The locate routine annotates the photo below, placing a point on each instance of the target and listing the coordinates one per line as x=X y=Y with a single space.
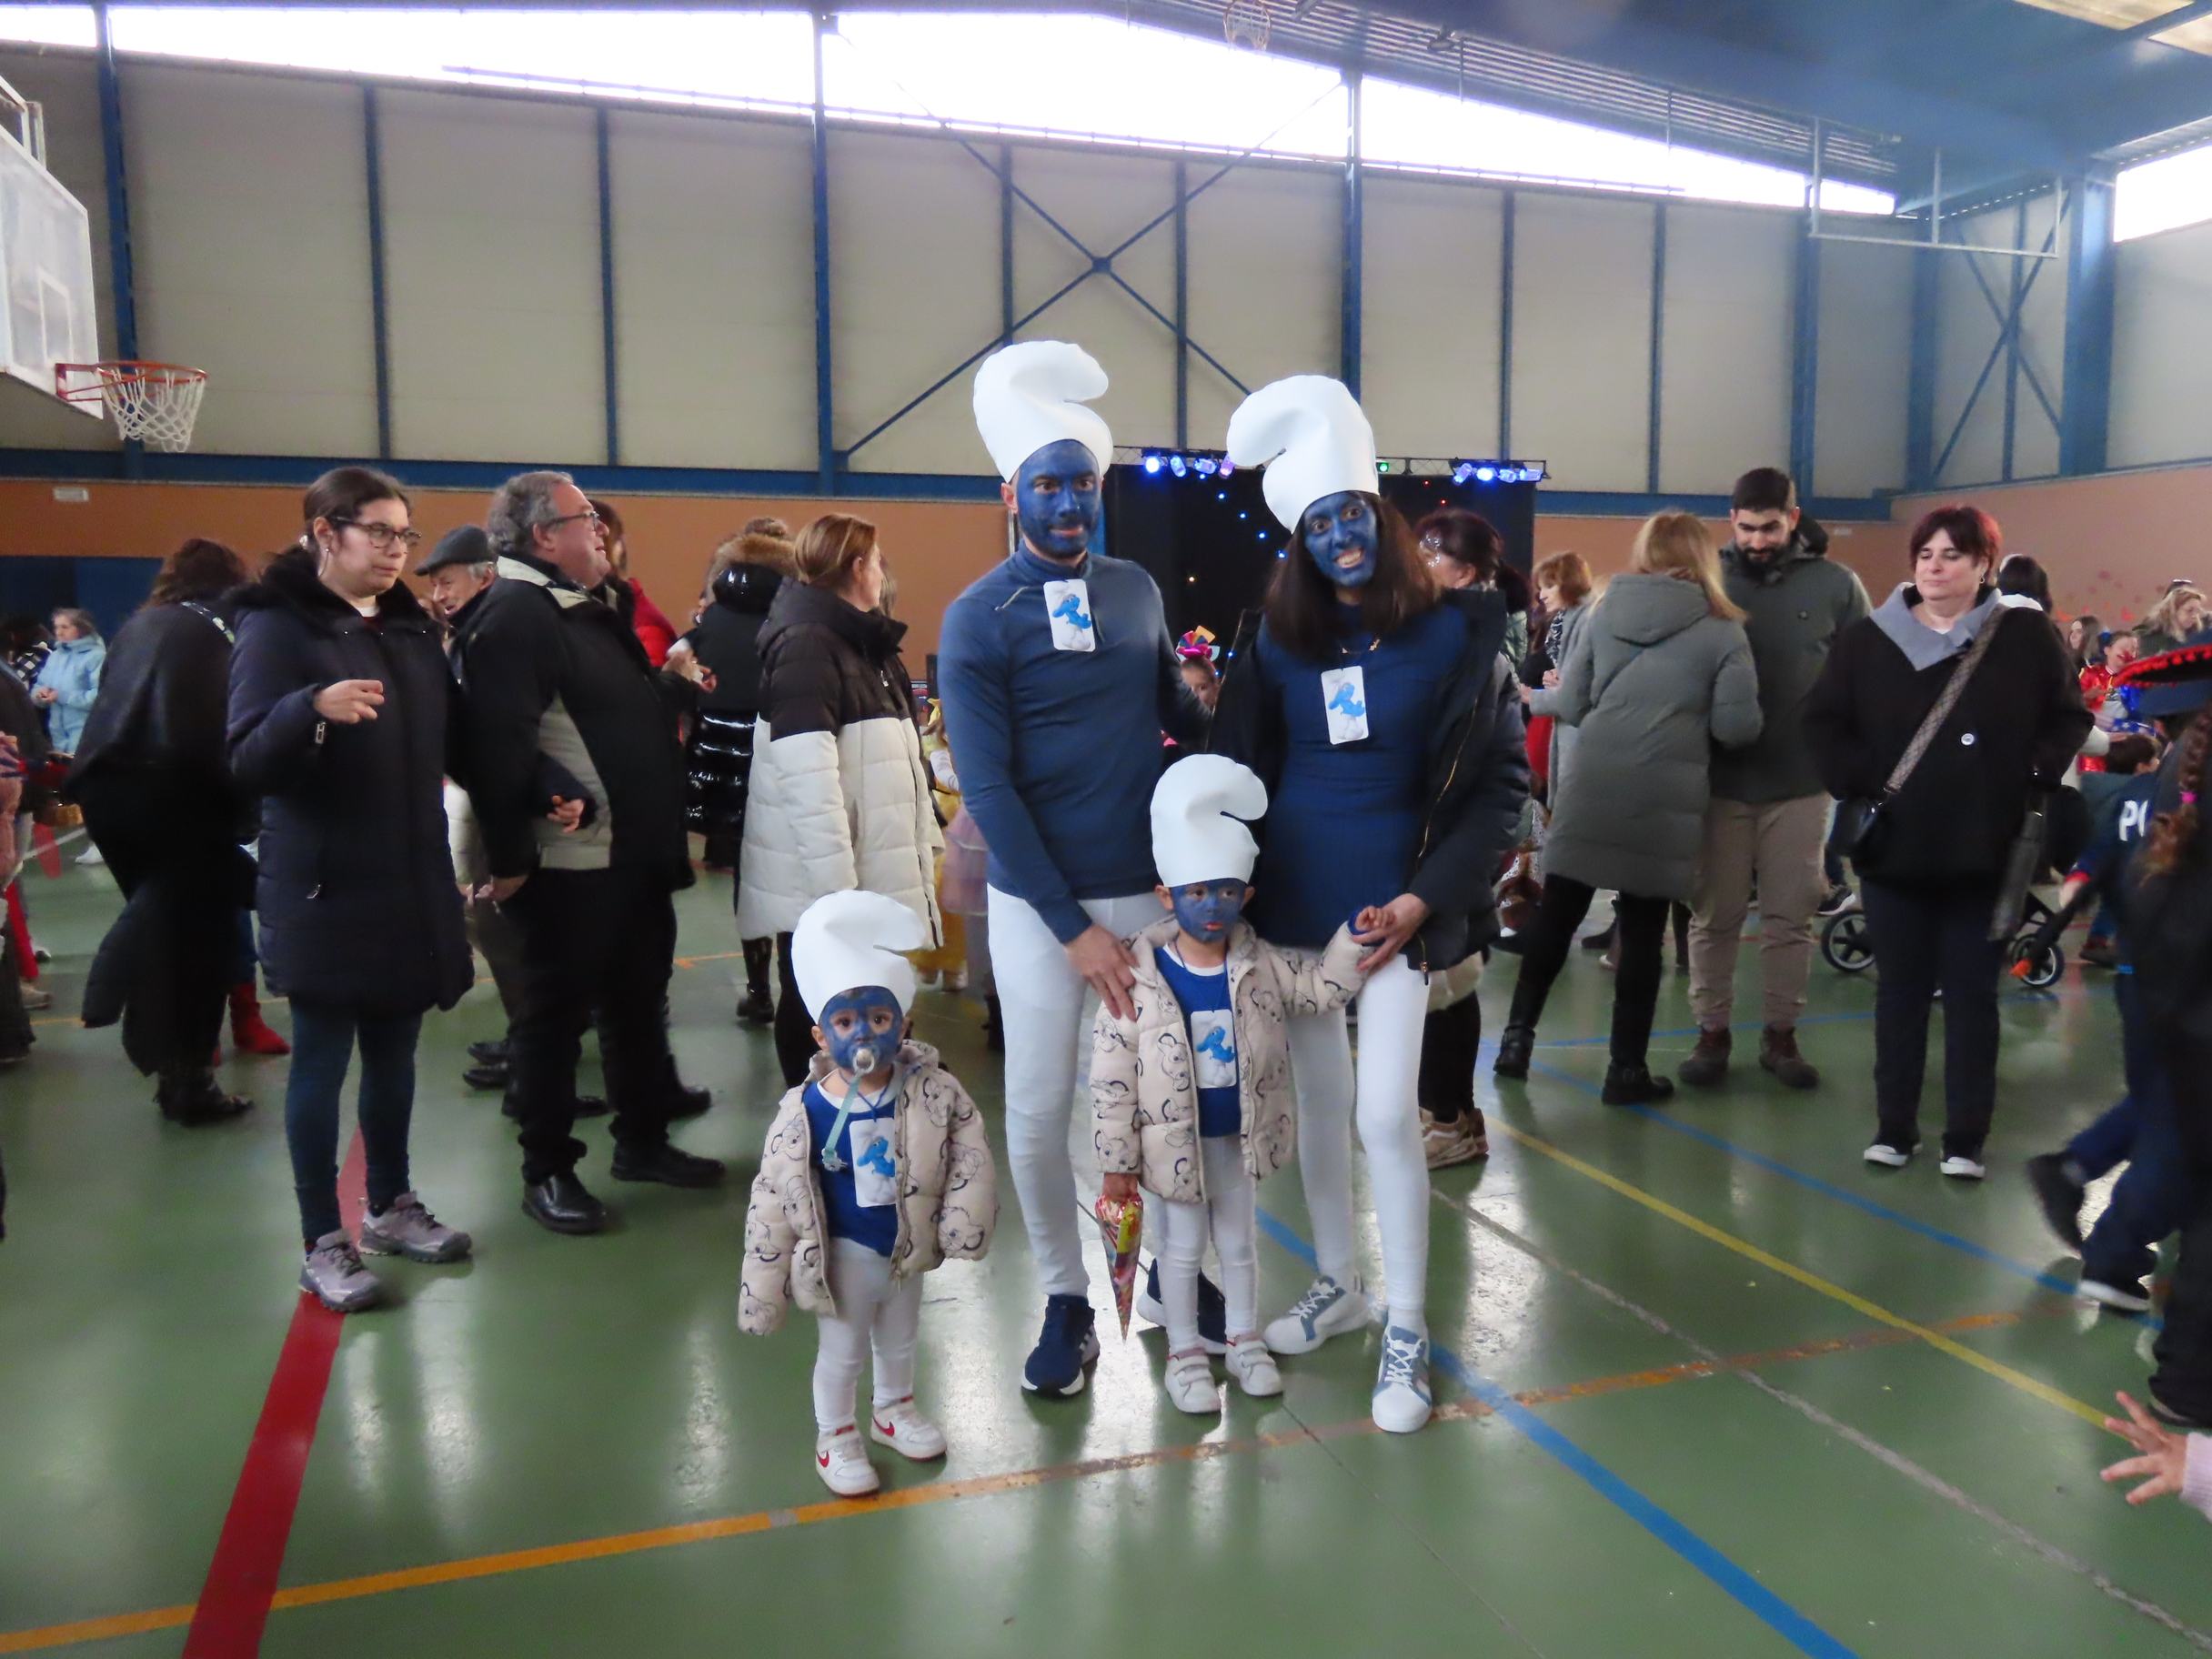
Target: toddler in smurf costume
x=876 y=1171
x=1192 y=1093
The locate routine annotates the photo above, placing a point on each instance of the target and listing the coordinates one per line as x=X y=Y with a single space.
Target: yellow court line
x=1811 y=1281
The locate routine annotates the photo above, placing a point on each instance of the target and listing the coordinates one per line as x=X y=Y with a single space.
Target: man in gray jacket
x=1768 y=819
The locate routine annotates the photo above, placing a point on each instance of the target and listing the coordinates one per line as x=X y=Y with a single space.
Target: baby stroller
x=2038 y=961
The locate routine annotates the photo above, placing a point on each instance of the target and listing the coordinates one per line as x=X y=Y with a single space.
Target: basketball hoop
x=153 y=403
x=1246 y=23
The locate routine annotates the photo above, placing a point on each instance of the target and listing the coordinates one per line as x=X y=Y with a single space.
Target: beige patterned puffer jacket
x=947 y=1193
x=1142 y=1086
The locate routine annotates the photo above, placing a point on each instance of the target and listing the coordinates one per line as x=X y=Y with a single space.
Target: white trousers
x=1041 y=1001
x=1392 y=1006
x=1230 y=1212
x=873 y=1314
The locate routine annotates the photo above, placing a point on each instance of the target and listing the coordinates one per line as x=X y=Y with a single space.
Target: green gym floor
x=1707 y=1385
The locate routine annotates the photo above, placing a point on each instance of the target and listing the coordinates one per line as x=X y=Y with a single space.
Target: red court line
x=234 y=1604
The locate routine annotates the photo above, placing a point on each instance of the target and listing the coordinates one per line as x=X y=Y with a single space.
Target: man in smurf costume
x=1059 y=676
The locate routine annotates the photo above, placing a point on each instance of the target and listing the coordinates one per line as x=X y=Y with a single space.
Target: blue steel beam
x=1651 y=417
x=2012 y=320
x=1182 y=305
x=1505 y=324
x=603 y=132
x=1804 y=364
x=379 y=307
x=123 y=297
x=1353 y=296
x=1921 y=371
x=1006 y=245
x=2012 y=344
x=825 y=406
x=2085 y=382
x=1989 y=368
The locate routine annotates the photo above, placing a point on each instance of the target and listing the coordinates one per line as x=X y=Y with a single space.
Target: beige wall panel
x=1430 y=325
x=249 y=228
x=2162 y=340
x=1266 y=285
x=1582 y=339
x=914 y=264
x=1865 y=365
x=1725 y=375
x=492 y=252
x=714 y=292
x=1964 y=332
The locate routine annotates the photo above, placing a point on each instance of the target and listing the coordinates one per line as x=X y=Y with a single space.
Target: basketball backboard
x=45 y=260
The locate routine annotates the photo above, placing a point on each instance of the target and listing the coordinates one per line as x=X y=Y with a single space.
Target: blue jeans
x=2147 y=1199
x=322 y=1048
x=2102 y=1148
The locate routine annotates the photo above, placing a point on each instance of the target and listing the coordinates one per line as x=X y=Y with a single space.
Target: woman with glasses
x=340 y=698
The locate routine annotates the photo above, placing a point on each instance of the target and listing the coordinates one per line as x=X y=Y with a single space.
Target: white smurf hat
x=848 y=940
x=1032 y=394
x=1199 y=806
x=1313 y=437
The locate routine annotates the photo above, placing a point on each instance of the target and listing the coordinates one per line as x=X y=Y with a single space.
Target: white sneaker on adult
x=1253 y=1368
x=1327 y=1309
x=2120 y=1298
x=1889 y=1157
x=1190 y=1384
x=841 y=1461
x=1401 y=1401
x=1960 y=1167
x=902 y=1426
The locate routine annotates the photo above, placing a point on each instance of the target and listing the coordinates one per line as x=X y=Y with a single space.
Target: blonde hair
x=2166 y=615
x=1678 y=544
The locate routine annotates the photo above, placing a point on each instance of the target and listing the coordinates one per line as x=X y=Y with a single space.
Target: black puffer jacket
x=357 y=904
x=1477 y=776
x=727 y=642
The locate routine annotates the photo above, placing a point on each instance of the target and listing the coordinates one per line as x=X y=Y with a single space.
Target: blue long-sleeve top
x=1058 y=750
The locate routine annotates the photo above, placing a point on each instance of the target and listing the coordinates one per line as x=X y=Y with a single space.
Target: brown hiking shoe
x=1778 y=1053
x=1708 y=1062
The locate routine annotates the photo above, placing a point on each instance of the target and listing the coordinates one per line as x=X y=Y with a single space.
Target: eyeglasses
x=382 y=536
x=554 y=524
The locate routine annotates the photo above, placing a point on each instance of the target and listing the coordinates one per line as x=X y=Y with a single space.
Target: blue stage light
x=1228 y=467
x=1152 y=463
x=1485 y=475
x=1463 y=472
x=1207 y=466
x=1177 y=465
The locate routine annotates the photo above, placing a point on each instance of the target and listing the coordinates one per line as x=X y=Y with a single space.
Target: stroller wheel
x=1845 y=942
x=2045 y=970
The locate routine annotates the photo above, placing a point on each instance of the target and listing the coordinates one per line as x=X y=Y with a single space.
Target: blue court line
x=1769 y=1609
x=1814 y=1183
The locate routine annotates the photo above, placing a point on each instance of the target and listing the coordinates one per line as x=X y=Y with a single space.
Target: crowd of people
x=1412 y=757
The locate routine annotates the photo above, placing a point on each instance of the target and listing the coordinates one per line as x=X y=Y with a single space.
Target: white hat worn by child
x=1199 y=806
x=1313 y=438
x=1030 y=396
x=845 y=941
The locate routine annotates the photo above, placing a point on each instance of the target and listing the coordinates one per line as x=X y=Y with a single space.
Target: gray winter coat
x=1794 y=605
x=1654 y=681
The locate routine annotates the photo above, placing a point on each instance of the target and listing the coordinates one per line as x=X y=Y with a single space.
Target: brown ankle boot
x=1708 y=1062
x=1778 y=1053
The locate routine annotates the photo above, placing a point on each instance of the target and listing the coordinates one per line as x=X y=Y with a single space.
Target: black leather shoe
x=491 y=1075
x=490 y=1054
x=756 y=1007
x=1516 y=1048
x=689 y=1103
x=668 y=1165
x=193 y=1100
x=1634 y=1086
x=560 y=1204
x=591 y=1106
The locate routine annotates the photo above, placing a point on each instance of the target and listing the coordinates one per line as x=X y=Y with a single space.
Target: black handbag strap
x=1951 y=691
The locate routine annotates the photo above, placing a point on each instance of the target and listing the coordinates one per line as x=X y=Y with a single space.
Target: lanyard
x=831 y=1161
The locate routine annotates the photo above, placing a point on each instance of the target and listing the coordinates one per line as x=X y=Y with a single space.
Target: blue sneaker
x=1402 y=1400
x=1327 y=1309
x=1213 y=1311
x=1069 y=1341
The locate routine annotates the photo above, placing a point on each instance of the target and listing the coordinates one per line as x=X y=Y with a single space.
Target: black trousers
x=1927 y=939
x=795 y=1042
x=2183 y=1379
x=1449 y=1039
x=1640 y=940
x=601 y=940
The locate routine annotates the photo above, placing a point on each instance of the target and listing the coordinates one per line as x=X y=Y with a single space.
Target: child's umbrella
x=1122 y=1222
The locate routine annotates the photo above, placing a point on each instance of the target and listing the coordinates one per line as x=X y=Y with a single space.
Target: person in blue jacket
x=1058 y=678
x=69 y=678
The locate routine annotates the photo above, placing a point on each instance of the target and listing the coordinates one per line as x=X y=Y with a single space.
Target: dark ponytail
x=2173 y=835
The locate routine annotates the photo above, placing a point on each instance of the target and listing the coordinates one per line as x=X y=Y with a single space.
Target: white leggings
x=1041 y=1001
x=1392 y=1006
x=874 y=1312
x=1231 y=1205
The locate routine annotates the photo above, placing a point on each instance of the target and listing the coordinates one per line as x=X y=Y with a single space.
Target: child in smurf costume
x=1192 y=1093
x=876 y=1171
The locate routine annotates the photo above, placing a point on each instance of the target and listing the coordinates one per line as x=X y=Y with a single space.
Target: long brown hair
x=1301 y=606
x=831 y=548
x=2173 y=834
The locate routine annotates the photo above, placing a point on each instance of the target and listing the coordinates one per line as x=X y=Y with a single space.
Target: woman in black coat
x=1932 y=867
x=339 y=700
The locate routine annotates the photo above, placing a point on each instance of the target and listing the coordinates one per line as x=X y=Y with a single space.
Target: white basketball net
x=1246 y=23
x=154 y=403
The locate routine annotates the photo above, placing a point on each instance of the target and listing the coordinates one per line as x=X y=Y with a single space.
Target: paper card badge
x=1343 y=695
x=875 y=1174
x=1213 y=1044
x=1068 y=604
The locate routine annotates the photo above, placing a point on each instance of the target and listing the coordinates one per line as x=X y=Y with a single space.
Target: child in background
x=1193 y=1095
x=876 y=1171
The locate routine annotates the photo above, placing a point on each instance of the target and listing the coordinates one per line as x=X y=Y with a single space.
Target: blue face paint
x=861 y=1029
x=1056 y=500
x=1207 y=910
x=1342 y=538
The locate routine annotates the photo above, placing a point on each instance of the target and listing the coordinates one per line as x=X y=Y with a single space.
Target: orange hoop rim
x=118 y=372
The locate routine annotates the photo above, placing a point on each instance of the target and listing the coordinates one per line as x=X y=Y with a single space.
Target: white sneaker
x=1190 y=1384
x=902 y=1426
x=1253 y=1368
x=36 y=996
x=843 y=1463
x=91 y=855
x=1961 y=1168
x=1327 y=1309
x=1402 y=1399
x=1889 y=1157
x=2123 y=1298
